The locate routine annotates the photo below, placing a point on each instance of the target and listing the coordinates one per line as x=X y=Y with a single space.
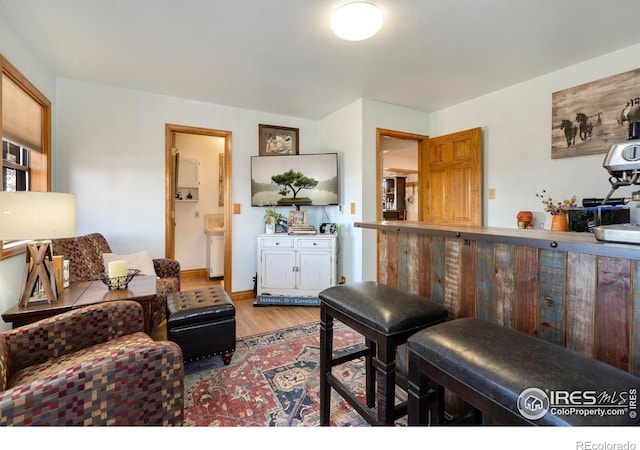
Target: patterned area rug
x=273 y=380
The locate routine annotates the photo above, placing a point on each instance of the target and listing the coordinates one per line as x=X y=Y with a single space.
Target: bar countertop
x=552 y=240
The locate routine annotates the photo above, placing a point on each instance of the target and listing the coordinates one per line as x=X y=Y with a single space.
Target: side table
x=141 y=289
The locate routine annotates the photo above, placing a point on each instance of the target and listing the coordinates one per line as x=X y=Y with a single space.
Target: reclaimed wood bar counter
x=563 y=287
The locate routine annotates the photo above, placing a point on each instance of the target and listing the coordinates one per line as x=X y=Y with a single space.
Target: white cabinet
x=215 y=255
x=296 y=265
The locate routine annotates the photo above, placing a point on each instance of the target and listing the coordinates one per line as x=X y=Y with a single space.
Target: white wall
x=516 y=128
x=111 y=149
x=341 y=132
x=18 y=53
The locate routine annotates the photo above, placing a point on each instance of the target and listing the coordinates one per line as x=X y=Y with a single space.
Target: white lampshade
x=37 y=215
x=356 y=21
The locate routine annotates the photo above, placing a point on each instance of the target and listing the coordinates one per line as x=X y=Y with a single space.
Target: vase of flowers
x=558 y=210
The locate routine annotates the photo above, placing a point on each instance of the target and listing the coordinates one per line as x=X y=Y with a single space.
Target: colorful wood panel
x=588 y=303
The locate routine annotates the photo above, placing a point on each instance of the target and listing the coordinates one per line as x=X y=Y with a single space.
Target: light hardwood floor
x=252 y=320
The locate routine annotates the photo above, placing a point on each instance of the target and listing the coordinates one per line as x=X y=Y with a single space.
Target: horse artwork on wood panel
x=599 y=112
x=570 y=131
x=586 y=126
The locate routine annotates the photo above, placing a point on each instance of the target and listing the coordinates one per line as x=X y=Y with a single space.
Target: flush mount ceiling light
x=356 y=21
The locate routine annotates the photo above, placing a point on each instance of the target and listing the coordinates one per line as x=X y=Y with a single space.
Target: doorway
x=399 y=178
x=190 y=197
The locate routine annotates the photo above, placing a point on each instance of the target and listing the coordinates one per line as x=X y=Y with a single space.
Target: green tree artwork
x=295 y=182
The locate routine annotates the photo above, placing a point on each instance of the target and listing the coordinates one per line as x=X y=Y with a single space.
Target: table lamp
x=34 y=216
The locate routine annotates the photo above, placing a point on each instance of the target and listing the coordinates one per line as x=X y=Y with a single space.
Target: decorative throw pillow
x=142 y=261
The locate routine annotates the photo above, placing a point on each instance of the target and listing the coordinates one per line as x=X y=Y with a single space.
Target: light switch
x=236 y=208
x=492 y=194
x=353 y=207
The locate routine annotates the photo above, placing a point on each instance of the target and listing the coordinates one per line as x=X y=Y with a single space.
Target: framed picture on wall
x=589 y=118
x=274 y=140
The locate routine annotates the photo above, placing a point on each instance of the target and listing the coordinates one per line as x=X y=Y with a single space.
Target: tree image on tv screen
x=295 y=182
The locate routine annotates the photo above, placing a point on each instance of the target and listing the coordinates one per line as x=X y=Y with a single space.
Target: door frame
x=170 y=192
x=423 y=144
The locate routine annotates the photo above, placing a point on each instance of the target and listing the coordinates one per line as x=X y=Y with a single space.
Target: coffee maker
x=623 y=164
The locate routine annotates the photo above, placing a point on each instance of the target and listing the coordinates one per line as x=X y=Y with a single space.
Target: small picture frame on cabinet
x=297 y=217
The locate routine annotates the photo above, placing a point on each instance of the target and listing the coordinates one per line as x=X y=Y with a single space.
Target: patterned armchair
x=85 y=256
x=90 y=366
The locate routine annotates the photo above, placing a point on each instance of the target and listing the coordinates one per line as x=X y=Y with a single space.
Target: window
x=25 y=127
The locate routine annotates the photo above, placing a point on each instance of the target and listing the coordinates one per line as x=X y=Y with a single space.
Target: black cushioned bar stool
x=386 y=317
x=202 y=322
x=509 y=376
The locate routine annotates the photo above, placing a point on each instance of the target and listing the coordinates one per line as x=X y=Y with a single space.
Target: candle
x=117 y=269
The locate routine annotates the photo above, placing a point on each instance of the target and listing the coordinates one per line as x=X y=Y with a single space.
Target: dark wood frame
x=291 y=133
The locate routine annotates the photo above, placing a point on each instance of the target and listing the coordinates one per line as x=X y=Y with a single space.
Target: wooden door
x=452 y=179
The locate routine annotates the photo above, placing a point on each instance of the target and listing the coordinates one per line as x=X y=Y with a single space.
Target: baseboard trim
x=194 y=273
x=242 y=295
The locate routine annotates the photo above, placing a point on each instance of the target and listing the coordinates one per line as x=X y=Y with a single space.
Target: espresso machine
x=623 y=164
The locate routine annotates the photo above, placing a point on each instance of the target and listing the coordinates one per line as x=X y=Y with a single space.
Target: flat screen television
x=294 y=180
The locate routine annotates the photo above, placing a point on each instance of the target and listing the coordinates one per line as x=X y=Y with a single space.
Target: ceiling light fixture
x=356 y=21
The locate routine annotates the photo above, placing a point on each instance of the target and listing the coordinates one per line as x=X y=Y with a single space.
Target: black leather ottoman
x=386 y=317
x=203 y=323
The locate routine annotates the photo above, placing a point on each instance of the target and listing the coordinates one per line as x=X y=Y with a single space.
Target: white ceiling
x=280 y=56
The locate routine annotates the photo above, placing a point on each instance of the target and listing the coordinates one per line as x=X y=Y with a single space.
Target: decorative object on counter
x=271 y=218
x=189 y=196
x=585 y=219
x=592 y=202
x=58 y=271
x=525 y=219
x=556 y=208
x=141 y=260
x=297 y=217
x=281 y=225
x=117 y=268
x=66 y=266
x=119 y=281
x=559 y=222
x=302 y=229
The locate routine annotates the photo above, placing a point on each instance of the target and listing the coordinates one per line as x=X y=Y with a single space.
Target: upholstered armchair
x=90 y=366
x=85 y=259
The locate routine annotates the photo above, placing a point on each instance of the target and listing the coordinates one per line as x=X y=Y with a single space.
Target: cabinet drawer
x=275 y=242
x=314 y=243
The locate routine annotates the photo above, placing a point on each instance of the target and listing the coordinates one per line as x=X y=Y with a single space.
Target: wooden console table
x=141 y=289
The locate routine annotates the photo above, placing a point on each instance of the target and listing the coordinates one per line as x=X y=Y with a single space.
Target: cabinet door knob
x=277 y=243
